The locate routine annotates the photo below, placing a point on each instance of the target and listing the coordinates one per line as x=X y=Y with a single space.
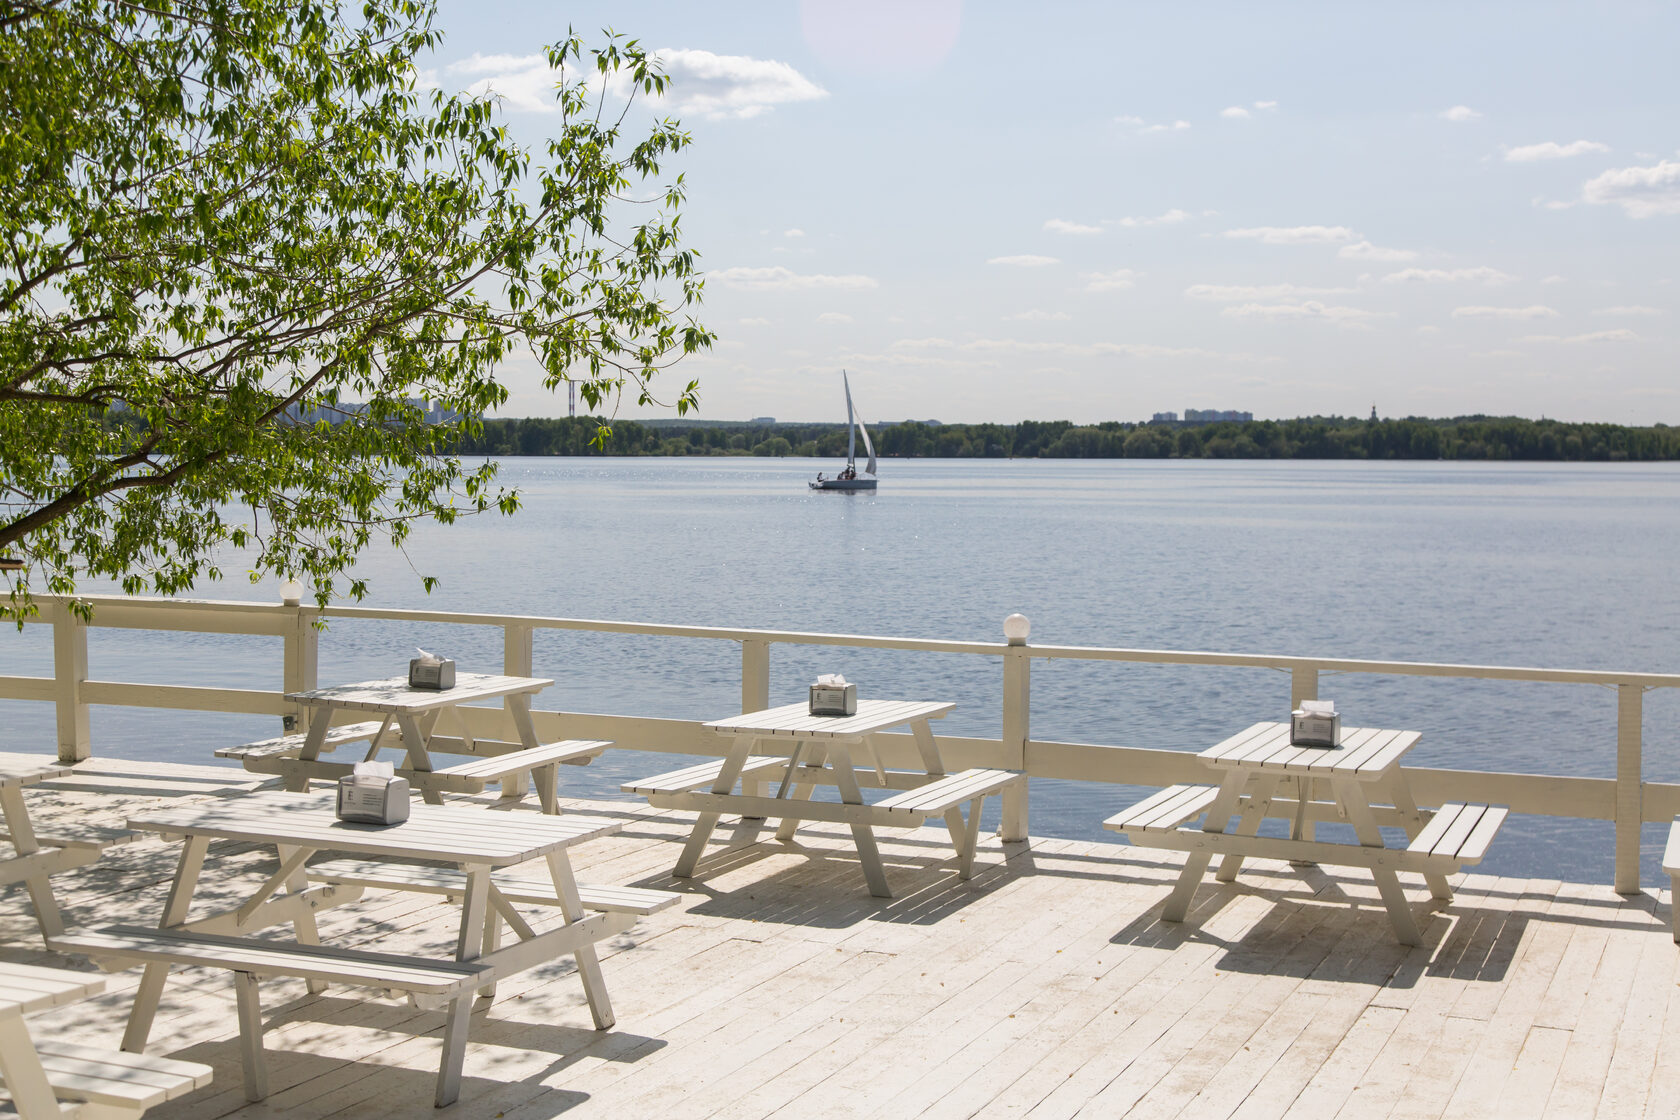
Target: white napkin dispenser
x=832 y=696
x=1316 y=723
x=372 y=795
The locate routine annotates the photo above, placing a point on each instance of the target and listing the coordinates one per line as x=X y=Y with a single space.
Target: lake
x=1564 y=566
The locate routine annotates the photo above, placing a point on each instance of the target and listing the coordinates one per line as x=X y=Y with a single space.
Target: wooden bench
x=472 y=776
x=430 y=984
x=262 y=757
x=41 y=1076
x=945 y=797
x=96 y=837
x=1671 y=864
x=1164 y=811
x=451 y=883
x=701 y=777
x=1457 y=834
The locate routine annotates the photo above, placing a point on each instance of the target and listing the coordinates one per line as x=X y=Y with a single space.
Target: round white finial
x=1016 y=628
x=291 y=592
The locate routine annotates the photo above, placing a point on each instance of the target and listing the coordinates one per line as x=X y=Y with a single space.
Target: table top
x=27 y=769
x=394 y=695
x=1366 y=753
x=28 y=987
x=457 y=834
x=796 y=721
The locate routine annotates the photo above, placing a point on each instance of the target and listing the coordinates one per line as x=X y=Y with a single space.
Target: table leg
x=696 y=845
x=414 y=741
x=868 y=854
x=320 y=720
x=303 y=924
x=174 y=913
x=801 y=792
x=928 y=747
x=253 y=1065
x=589 y=964
x=26 y=1080
x=468 y=943
x=1351 y=797
x=24 y=843
x=547 y=778
x=1259 y=803
x=1398 y=791
x=1196 y=863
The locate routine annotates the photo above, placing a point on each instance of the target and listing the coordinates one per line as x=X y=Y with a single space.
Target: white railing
x=1627 y=799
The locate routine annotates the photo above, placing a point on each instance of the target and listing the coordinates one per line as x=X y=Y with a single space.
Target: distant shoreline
x=1463 y=438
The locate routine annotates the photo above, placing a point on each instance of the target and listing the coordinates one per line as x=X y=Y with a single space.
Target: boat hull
x=846 y=484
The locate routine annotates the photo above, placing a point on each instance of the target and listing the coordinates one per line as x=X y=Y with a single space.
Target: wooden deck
x=1046 y=986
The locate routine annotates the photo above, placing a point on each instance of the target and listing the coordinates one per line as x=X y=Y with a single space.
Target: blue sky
x=1099 y=211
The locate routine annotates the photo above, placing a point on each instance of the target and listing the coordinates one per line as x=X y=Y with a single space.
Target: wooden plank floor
x=1047 y=986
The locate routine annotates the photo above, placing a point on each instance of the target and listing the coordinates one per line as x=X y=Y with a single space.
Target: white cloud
x=1235 y=113
x=1231 y=293
x=1310 y=310
x=1024 y=260
x=722 y=86
x=1176 y=126
x=1293 y=235
x=709 y=85
x=793 y=233
x=1365 y=251
x=1115 y=281
x=1621 y=334
x=1641 y=192
x=1551 y=149
x=1061 y=225
x=1171 y=217
x=1128 y=120
x=1553 y=279
x=1632 y=310
x=754 y=321
x=765 y=279
x=1534 y=312
x=1459 y=113
x=1265 y=104
x=834 y=317
x=1034 y=315
x=1481 y=275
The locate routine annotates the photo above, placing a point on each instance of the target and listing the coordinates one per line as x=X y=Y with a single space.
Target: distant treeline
x=1317 y=437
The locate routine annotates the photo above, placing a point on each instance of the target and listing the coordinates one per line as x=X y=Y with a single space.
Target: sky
x=998 y=212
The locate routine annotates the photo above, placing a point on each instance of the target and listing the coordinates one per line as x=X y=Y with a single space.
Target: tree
x=223 y=221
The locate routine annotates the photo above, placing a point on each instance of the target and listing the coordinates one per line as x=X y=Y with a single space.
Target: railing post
x=755 y=675
x=302 y=661
x=70 y=670
x=1303 y=685
x=1629 y=778
x=1017 y=722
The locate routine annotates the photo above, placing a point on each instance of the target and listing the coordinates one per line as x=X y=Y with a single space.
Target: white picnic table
x=416 y=714
x=824 y=750
x=1259 y=763
x=39 y=1078
x=35 y=858
x=299 y=826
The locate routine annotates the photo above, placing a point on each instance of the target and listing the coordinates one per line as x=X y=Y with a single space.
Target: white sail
x=853 y=427
x=867 y=446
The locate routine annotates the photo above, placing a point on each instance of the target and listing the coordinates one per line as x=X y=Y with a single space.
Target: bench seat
x=1458 y=833
x=474 y=774
x=1671 y=865
x=96 y=837
x=703 y=776
x=429 y=983
x=1164 y=811
x=450 y=882
x=944 y=797
x=125 y=1084
x=289 y=746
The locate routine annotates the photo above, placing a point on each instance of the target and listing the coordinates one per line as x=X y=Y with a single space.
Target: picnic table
x=36 y=857
x=1368 y=789
x=832 y=744
x=479 y=845
x=413 y=714
x=39 y=1076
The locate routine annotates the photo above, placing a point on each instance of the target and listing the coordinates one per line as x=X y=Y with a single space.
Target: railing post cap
x=1016 y=628
x=291 y=592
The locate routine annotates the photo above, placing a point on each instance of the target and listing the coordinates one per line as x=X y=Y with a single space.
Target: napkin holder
x=435 y=673
x=372 y=795
x=833 y=697
x=1316 y=723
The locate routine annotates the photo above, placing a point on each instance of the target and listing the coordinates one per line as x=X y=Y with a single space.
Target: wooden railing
x=1627 y=799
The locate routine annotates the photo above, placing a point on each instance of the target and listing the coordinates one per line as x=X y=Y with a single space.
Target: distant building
x=1214 y=415
x=344 y=410
x=1164 y=418
x=762 y=420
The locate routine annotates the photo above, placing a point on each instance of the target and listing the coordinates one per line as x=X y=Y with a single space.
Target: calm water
x=1518 y=564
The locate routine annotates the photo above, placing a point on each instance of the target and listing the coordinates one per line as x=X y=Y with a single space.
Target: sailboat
x=849 y=479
